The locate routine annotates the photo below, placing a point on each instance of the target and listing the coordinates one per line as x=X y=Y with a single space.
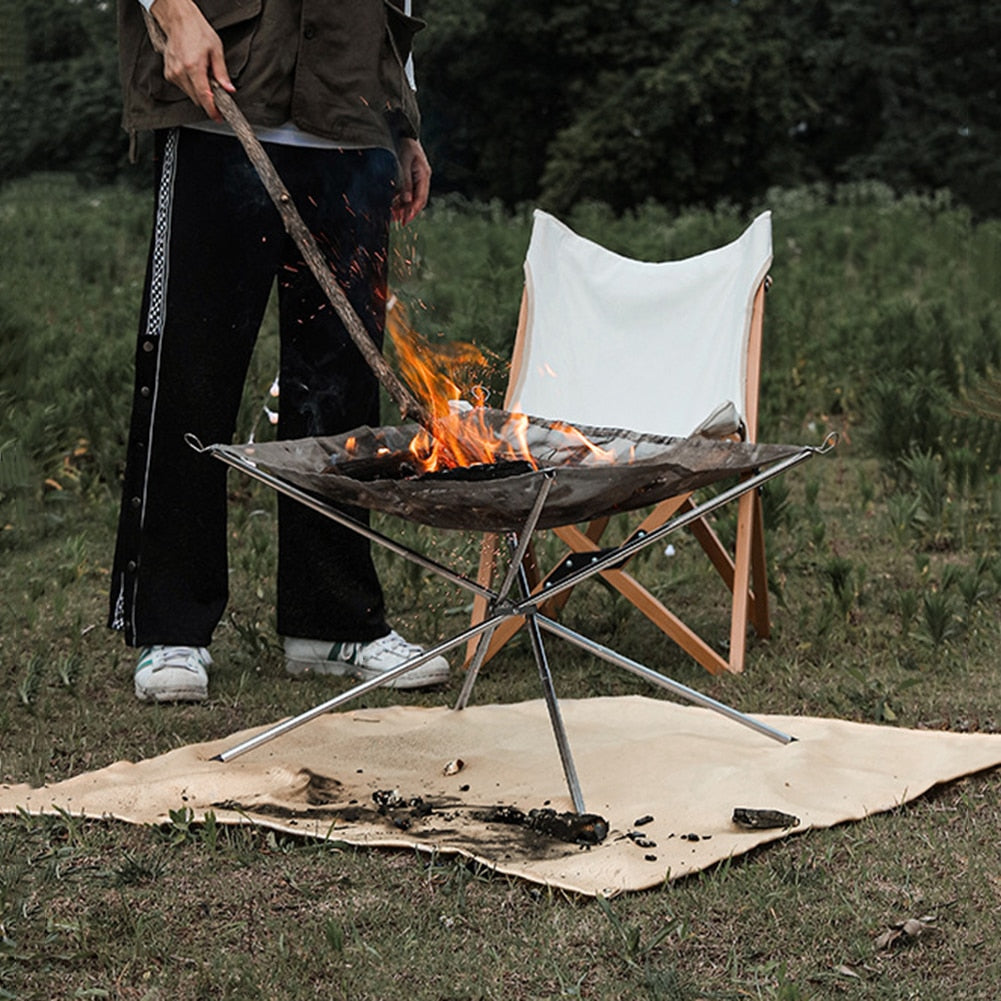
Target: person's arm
x=192 y=52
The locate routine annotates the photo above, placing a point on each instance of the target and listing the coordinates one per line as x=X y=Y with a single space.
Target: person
x=332 y=100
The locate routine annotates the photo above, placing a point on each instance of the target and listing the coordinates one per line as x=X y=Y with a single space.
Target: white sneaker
x=172 y=674
x=364 y=660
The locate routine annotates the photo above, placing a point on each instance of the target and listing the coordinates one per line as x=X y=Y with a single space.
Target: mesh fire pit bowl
x=615 y=470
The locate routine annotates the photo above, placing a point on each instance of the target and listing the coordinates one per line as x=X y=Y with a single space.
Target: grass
x=886 y=576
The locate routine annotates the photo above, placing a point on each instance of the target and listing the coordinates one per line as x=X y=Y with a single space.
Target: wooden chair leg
x=760 y=616
x=744 y=575
x=665 y=620
x=741 y=582
x=484 y=575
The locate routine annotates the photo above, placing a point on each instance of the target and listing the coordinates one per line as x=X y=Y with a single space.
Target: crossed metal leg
x=501 y=608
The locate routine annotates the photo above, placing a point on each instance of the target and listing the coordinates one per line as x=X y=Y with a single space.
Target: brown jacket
x=334 y=67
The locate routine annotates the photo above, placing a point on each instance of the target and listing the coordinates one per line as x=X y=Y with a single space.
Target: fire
x=438 y=375
x=470 y=442
x=448 y=380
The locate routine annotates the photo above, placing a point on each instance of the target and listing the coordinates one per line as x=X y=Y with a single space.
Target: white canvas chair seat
x=614 y=342
x=670 y=348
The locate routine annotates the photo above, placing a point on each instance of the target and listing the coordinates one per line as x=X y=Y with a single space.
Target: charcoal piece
x=502 y=815
x=388 y=799
x=760 y=820
x=419 y=807
x=481 y=471
x=643 y=821
x=397 y=465
x=576 y=828
x=640 y=839
x=400 y=464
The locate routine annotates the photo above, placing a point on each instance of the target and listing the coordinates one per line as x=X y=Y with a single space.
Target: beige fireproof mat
x=638 y=758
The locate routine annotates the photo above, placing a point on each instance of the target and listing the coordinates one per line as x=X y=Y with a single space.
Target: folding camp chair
x=670 y=348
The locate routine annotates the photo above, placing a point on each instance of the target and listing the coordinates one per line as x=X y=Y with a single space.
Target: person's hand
x=415 y=181
x=192 y=54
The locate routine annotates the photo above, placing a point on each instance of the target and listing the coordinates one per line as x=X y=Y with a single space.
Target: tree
x=556 y=101
x=914 y=87
x=493 y=81
x=62 y=111
x=700 y=111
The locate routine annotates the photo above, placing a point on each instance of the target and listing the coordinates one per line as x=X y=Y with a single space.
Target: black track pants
x=218 y=247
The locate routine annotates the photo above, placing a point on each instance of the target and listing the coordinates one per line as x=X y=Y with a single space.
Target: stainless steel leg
x=472 y=672
x=519 y=546
x=553 y=706
x=360 y=689
x=675 y=687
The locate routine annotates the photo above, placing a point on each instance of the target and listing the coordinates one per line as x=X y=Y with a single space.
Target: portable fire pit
x=543 y=474
x=617 y=470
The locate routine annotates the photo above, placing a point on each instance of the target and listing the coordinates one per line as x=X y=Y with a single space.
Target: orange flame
x=448 y=379
x=436 y=374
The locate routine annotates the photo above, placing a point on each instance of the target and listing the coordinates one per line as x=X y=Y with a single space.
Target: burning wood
x=478 y=436
x=400 y=465
x=472 y=445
